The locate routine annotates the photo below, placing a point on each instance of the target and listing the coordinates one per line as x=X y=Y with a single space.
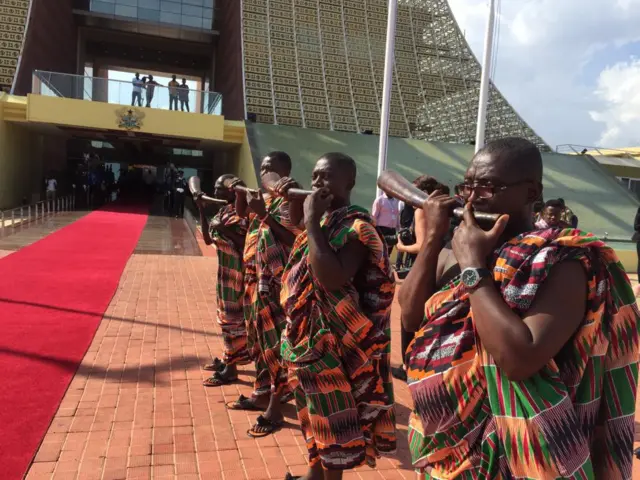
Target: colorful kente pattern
x=267 y=319
x=336 y=346
x=230 y=287
x=262 y=382
x=573 y=419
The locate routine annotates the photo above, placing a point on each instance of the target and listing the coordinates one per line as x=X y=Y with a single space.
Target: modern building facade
x=304 y=76
x=306 y=63
x=319 y=64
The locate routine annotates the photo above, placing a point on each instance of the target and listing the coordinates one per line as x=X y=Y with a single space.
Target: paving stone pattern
x=137 y=408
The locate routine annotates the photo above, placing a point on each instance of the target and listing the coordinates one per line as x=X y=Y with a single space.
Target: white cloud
x=545 y=59
x=619 y=90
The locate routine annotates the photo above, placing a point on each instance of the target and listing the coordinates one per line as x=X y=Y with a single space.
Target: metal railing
x=98 y=89
x=583 y=149
x=26 y=213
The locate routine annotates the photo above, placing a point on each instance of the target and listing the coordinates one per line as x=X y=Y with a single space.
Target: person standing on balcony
x=183 y=95
x=151 y=85
x=173 y=93
x=136 y=95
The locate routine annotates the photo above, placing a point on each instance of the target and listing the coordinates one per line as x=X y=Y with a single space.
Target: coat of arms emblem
x=129 y=118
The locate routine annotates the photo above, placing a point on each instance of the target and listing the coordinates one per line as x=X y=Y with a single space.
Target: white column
x=387 y=86
x=485 y=79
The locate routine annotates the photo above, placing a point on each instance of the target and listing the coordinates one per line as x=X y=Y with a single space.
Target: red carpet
x=52 y=297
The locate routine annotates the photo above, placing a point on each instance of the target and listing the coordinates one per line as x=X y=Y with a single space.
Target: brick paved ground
x=137 y=409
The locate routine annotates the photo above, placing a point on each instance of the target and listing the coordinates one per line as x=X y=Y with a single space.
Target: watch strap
x=483 y=272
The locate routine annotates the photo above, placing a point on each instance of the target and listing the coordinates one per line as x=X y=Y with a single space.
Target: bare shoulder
x=565 y=284
x=448 y=267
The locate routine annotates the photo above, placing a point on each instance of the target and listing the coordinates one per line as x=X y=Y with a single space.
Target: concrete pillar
x=80 y=83
x=100 y=90
x=81 y=53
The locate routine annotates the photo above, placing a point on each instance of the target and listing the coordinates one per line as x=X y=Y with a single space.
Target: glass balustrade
x=98 y=89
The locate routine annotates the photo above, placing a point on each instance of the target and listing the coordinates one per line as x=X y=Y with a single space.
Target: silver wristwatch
x=471 y=277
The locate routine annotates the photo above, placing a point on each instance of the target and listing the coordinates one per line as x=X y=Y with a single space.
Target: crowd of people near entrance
x=178 y=92
x=522 y=338
x=91 y=182
x=174 y=189
x=94 y=183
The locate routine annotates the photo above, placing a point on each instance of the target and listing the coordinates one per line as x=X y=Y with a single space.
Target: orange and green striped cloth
x=262 y=382
x=230 y=287
x=265 y=258
x=573 y=419
x=336 y=346
x=269 y=320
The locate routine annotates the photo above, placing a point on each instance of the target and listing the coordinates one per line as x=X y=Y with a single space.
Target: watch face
x=470 y=277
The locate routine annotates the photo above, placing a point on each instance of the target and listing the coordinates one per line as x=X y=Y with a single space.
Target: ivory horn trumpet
x=396 y=186
x=196 y=190
x=270 y=180
x=228 y=183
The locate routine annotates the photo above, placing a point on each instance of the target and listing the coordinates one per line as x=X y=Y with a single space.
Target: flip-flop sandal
x=244 y=403
x=288 y=476
x=216 y=365
x=268 y=426
x=217 y=380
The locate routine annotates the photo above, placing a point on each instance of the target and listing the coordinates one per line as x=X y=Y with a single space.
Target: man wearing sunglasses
x=526 y=352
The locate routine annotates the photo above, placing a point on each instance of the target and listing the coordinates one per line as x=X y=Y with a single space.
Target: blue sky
x=571 y=67
x=608 y=56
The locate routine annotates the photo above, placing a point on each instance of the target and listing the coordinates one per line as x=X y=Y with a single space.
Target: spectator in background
x=51 y=185
x=151 y=85
x=386 y=213
x=428 y=185
x=149 y=179
x=180 y=189
x=411 y=248
x=538 y=206
x=636 y=239
x=407 y=213
x=568 y=217
x=551 y=216
x=136 y=94
x=173 y=93
x=170 y=176
x=183 y=95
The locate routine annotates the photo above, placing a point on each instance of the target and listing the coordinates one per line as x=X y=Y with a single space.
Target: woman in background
x=428 y=185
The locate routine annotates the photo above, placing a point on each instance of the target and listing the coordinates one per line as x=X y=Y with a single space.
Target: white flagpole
x=485 y=79
x=386 y=88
